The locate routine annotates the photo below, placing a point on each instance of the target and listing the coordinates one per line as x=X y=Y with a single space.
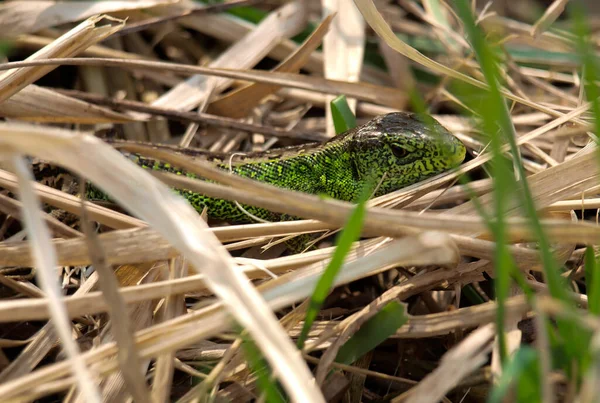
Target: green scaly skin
x=395 y=149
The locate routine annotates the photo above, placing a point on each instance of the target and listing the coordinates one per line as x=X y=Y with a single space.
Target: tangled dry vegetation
x=151 y=301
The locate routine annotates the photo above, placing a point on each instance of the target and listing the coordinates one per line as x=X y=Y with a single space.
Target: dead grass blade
x=456 y=364
x=38 y=104
x=38 y=42
x=443 y=323
x=127 y=355
x=26 y=17
x=27 y=289
x=144 y=244
x=365 y=260
x=550 y=15
x=70 y=203
x=173 y=306
x=343 y=49
x=429 y=248
x=94 y=302
x=45 y=260
x=197 y=117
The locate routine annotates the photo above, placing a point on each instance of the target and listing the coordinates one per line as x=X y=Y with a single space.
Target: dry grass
x=146 y=309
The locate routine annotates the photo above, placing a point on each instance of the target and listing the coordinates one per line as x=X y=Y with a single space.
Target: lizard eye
x=398 y=151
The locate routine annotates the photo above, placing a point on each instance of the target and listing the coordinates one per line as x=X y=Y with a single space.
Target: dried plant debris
x=191 y=211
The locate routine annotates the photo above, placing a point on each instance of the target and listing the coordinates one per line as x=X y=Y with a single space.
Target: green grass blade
x=578 y=345
x=471 y=294
x=503 y=181
x=343 y=118
x=5 y=47
x=502 y=286
x=349 y=235
x=521 y=364
x=590 y=65
x=373 y=332
x=490 y=71
x=246 y=13
x=592 y=281
x=258 y=365
x=496 y=114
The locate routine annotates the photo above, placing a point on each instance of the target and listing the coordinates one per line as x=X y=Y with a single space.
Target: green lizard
x=396 y=149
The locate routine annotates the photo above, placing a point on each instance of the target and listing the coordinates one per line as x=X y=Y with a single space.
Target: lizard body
x=396 y=149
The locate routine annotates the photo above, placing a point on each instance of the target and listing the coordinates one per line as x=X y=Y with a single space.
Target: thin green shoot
x=348 y=236
x=515 y=370
x=592 y=281
x=343 y=118
x=375 y=331
x=259 y=366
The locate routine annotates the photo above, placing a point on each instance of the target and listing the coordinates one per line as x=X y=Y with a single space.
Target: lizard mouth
x=458 y=156
x=454 y=153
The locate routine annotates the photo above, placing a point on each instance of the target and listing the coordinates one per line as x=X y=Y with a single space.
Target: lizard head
x=403 y=149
